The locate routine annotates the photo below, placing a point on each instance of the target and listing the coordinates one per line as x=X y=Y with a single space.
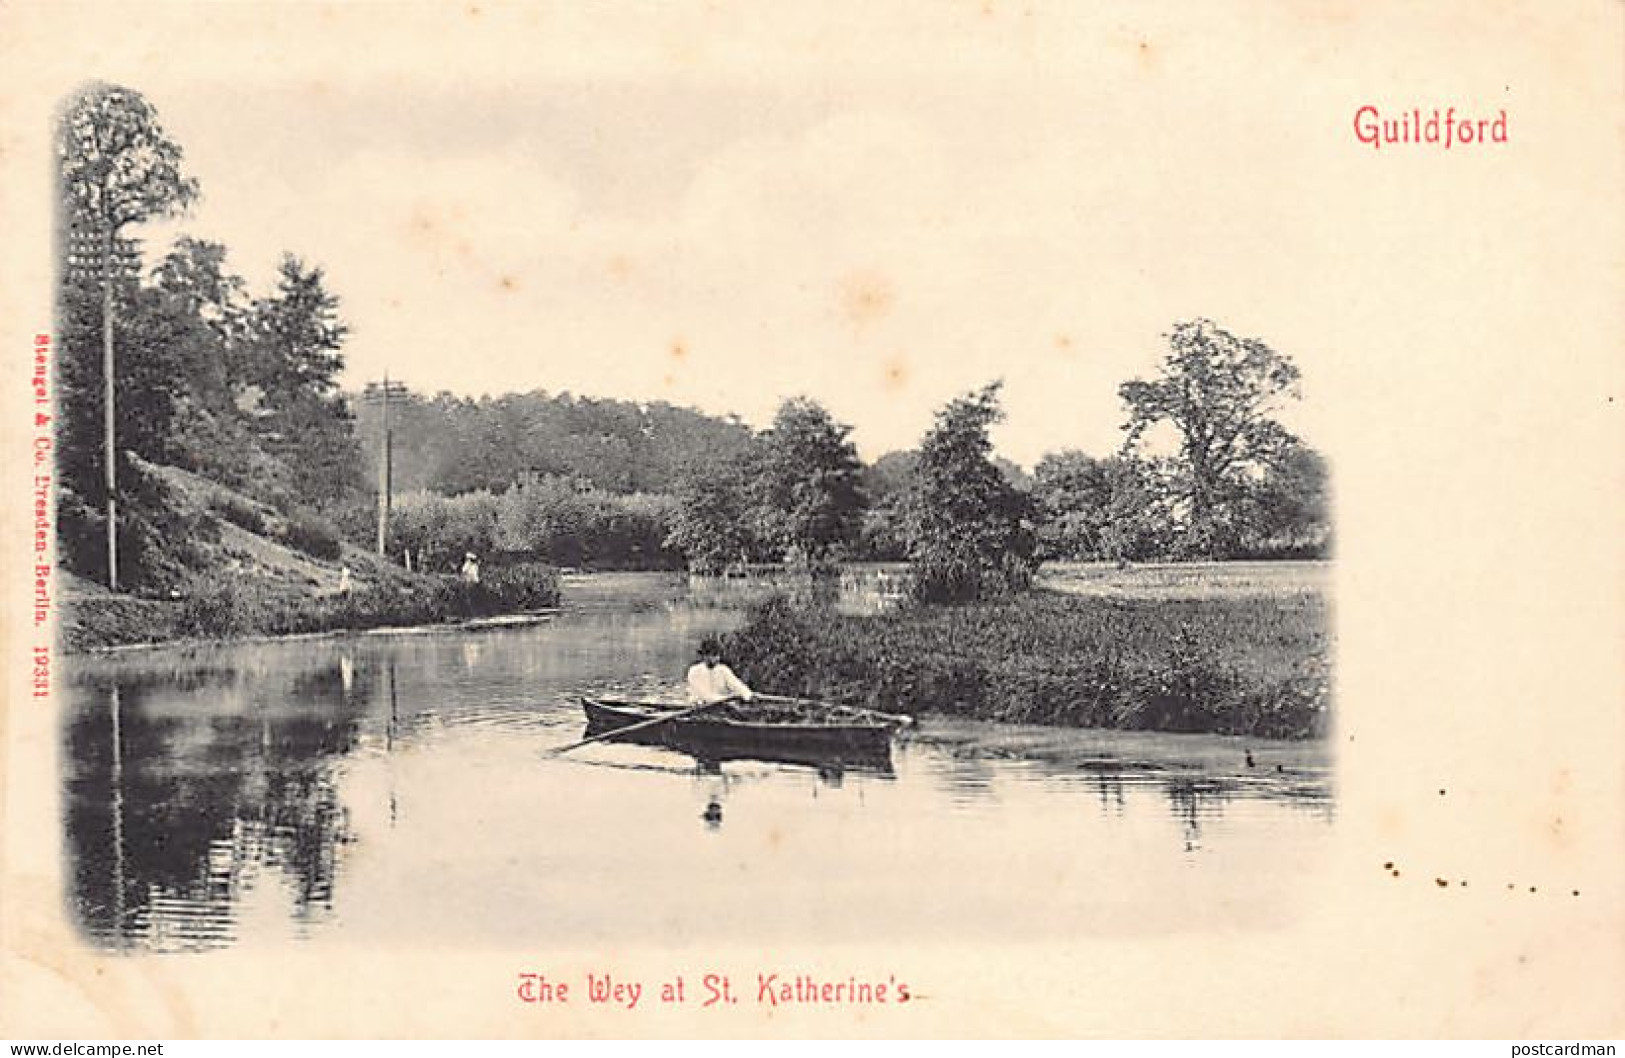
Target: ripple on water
x=290 y=793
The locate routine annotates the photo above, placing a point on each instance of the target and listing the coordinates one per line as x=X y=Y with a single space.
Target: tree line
x=242 y=387
x=1230 y=482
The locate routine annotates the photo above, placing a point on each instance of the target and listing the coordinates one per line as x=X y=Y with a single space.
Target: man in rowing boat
x=709 y=680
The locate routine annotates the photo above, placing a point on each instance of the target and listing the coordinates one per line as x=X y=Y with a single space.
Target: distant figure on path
x=471 y=568
x=709 y=680
x=344 y=580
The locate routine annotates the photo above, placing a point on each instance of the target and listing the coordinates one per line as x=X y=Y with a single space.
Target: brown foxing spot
x=866 y=298
x=508 y=283
x=1442 y=883
x=896 y=373
x=620 y=267
x=679 y=351
x=1063 y=341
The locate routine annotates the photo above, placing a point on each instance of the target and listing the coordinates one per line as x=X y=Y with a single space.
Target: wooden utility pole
x=107 y=257
x=386 y=473
x=382 y=392
x=111 y=454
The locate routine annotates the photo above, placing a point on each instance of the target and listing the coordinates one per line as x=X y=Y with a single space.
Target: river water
x=398 y=789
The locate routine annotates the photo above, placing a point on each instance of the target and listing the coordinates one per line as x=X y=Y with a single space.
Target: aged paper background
x=1465 y=360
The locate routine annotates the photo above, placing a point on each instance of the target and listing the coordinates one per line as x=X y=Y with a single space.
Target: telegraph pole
x=386 y=473
x=111 y=455
x=382 y=392
x=104 y=255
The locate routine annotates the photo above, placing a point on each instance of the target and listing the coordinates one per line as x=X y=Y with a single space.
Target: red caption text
x=714 y=990
x=40 y=558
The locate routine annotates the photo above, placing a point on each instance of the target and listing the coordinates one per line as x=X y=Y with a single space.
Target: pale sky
x=719 y=207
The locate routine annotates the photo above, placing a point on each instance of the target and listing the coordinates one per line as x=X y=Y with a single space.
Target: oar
x=690 y=711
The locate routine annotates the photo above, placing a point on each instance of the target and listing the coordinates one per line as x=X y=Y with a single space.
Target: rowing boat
x=791 y=730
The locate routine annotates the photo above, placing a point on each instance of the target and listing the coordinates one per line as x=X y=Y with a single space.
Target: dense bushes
x=159 y=541
x=1239 y=666
x=563 y=522
x=314 y=535
x=228 y=607
x=242 y=513
x=511 y=589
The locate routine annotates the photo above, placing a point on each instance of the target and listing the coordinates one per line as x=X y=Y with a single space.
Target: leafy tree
x=193 y=278
x=969 y=529
x=1070 y=489
x=888 y=483
x=298 y=335
x=809 y=484
x=1092 y=508
x=1014 y=473
x=1219 y=392
x=115 y=167
x=716 y=521
x=1288 y=509
x=439 y=530
x=210 y=433
x=302 y=417
x=551 y=517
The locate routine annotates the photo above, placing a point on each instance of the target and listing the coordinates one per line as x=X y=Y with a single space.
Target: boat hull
x=715 y=739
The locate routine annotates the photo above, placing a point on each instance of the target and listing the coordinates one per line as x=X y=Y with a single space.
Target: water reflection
x=219 y=796
x=173 y=815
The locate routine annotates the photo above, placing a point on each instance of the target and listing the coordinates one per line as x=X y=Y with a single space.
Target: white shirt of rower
x=713 y=683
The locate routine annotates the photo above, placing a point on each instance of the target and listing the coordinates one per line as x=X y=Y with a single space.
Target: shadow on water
x=174 y=815
x=214 y=797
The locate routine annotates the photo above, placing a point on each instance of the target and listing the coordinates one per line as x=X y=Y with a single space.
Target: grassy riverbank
x=236 y=607
x=1245 y=664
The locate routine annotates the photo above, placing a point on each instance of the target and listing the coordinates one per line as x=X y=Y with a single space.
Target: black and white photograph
x=987 y=519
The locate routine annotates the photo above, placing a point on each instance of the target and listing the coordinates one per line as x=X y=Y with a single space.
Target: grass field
x=1191 y=580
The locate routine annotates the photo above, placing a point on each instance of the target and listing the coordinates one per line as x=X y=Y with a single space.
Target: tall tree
x=304 y=419
x=969 y=530
x=809 y=485
x=1220 y=393
x=116 y=167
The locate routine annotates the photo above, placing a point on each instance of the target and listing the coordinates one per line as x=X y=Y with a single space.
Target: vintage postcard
x=813 y=520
